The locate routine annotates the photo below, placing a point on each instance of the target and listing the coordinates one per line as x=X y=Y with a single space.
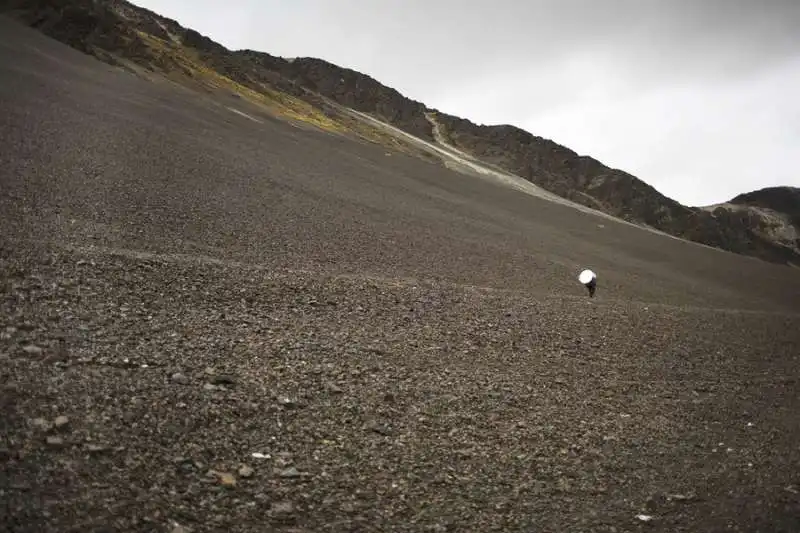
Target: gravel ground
x=211 y=324
x=381 y=406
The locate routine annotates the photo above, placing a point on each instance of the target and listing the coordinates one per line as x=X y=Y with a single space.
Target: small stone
x=287 y=402
x=41 y=424
x=246 y=471
x=54 y=441
x=335 y=389
x=380 y=429
x=284 y=459
x=226 y=479
x=290 y=472
x=59 y=356
x=32 y=349
x=178 y=528
x=210 y=387
x=185 y=464
x=61 y=421
x=281 y=508
x=223 y=379
x=180 y=379
x=96 y=448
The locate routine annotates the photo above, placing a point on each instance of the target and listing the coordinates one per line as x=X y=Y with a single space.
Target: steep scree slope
x=309 y=90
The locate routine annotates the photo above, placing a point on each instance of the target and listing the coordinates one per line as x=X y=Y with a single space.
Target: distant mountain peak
x=784 y=199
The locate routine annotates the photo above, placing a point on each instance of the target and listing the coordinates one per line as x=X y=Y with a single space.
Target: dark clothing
x=592 y=286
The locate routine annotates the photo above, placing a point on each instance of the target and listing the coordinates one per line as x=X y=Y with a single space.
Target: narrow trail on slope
x=462 y=162
x=459 y=158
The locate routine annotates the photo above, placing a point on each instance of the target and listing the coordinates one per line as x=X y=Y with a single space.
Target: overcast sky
x=699 y=98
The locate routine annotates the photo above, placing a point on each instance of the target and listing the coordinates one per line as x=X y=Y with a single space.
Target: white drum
x=587 y=276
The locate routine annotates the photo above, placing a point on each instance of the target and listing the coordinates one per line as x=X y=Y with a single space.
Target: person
x=589 y=280
x=592 y=286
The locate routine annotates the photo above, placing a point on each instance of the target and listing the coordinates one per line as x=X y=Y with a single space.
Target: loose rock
x=223 y=379
x=290 y=472
x=96 y=448
x=55 y=442
x=33 y=350
x=380 y=429
x=225 y=478
x=287 y=402
x=41 y=424
x=179 y=378
x=178 y=528
x=282 y=508
x=284 y=459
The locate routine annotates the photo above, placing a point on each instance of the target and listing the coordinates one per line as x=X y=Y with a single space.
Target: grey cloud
x=665 y=89
x=446 y=41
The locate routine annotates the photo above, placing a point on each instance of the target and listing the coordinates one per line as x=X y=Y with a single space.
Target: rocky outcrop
x=362 y=93
x=784 y=200
x=769 y=216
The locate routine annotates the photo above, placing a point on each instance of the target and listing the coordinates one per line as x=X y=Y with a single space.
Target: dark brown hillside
x=309 y=90
x=213 y=320
x=587 y=181
x=141 y=41
x=362 y=93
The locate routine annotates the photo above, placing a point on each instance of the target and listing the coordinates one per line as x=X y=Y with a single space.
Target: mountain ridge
x=318 y=93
